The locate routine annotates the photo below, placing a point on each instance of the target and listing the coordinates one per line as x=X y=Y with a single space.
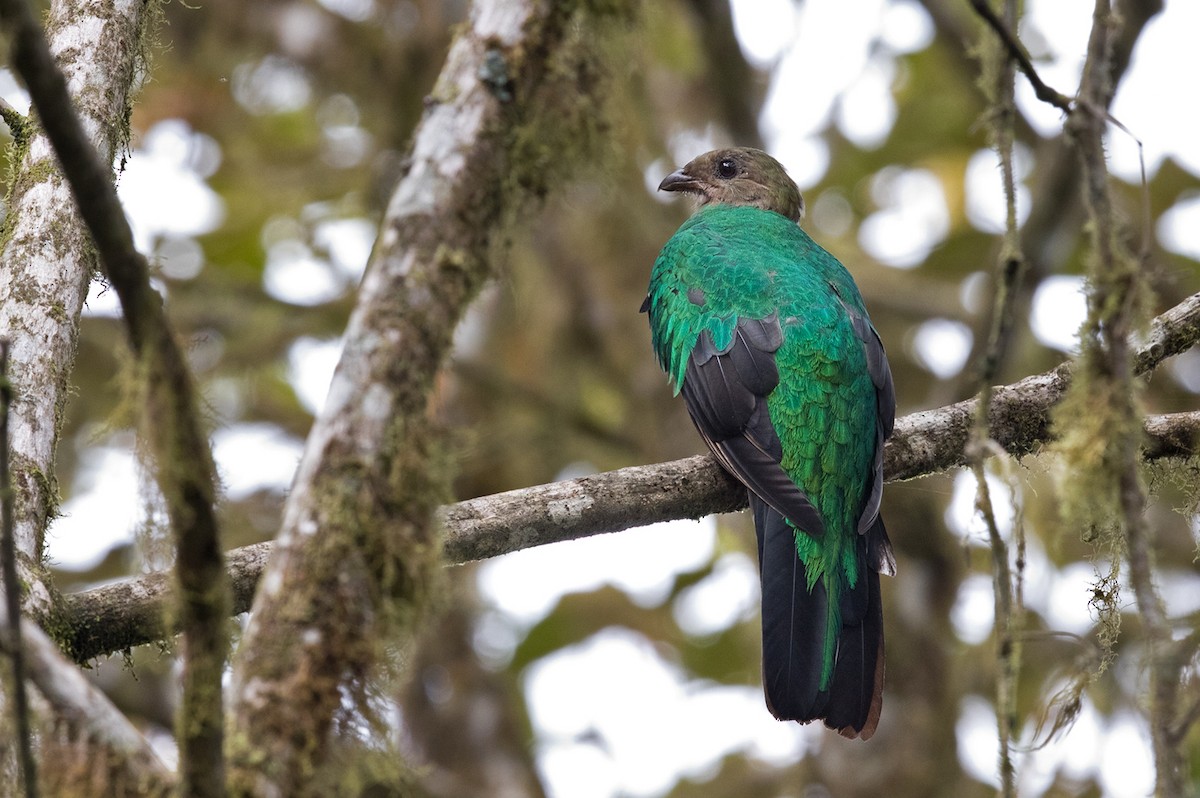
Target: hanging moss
x=1099 y=421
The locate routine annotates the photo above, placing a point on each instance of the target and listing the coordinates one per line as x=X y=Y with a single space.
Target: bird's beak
x=679 y=180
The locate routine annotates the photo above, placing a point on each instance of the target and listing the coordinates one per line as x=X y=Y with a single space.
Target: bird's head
x=738 y=176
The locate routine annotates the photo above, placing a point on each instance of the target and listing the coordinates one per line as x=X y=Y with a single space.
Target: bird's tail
x=803 y=631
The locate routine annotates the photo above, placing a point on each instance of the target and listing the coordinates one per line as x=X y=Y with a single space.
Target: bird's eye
x=727 y=168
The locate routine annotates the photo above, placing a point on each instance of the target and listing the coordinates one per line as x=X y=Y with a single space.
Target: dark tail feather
x=793 y=622
x=794 y=627
x=856 y=694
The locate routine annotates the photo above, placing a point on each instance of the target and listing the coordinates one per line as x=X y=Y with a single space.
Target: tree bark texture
x=46 y=265
x=72 y=761
x=170 y=420
x=47 y=260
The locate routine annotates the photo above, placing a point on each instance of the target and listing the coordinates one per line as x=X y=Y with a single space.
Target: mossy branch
x=1018 y=54
x=1055 y=203
x=12 y=592
x=17 y=123
x=1105 y=400
x=185 y=471
x=1007 y=578
x=94 y=748
x=49 y=261
x=128 y=613
x=519 y=99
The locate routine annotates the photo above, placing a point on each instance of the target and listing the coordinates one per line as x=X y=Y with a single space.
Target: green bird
x=766 y=336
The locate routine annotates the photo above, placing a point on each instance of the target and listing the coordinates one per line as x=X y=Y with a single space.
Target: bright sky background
x=643 y=723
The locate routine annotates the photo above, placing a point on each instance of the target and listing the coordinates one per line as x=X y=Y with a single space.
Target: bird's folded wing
x=882 y=559
x=726 y=394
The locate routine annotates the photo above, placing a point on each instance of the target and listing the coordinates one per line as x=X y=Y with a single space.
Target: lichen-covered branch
x=997 y=84
x=1055 y=208
x=1170 y=333
x=12 y=593
x=358 y=553
x=129 y=613
x=1104 y=401
x=93 y=748
x=48 y=262
x=47 y=258
x=184 y=472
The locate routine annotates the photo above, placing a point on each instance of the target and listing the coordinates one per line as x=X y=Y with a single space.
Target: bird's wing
x=726 y=395
x=879 y=549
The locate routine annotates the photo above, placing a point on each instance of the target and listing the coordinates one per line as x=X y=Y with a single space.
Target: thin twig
x=1017 y=52
x=18 y=123
x=12 y=589
x=1010 y=270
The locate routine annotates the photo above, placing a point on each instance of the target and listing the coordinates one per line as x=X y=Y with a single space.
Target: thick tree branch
x=119 y=616
x=357 y=555
x=1174 y=435
x=126 y=614
x=185 y=472
x=124 y=765
x=1170 y=333
x=12 y=592
x=46 y=260
x=130 y=613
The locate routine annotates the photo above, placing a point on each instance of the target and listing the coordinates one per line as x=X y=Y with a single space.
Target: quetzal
x=766 y=336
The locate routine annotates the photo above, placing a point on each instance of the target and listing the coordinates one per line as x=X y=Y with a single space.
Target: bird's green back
x=729 y=262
